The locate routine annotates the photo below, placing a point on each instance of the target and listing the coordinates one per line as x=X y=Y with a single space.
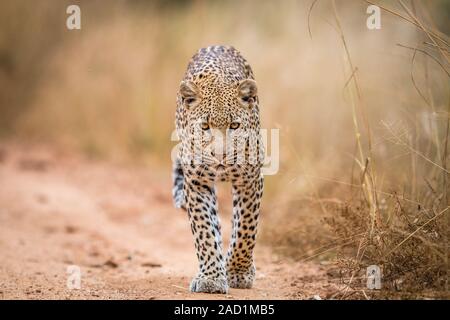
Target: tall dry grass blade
x=309 y=17
x=438 y=37
x=413 y=16
x=417 y=230
x=408 y=146
x=427 y=54
x=355 y=101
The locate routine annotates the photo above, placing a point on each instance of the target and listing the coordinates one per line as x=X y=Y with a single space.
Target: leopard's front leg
x=246 y=204
x=201 y=205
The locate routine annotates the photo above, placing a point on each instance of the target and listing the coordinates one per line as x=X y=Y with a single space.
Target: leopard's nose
x=219 y=155
x=219 y=152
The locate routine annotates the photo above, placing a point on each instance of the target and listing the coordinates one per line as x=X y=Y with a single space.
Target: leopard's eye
x=189 y=101
x=205 y=126
x=234 y=125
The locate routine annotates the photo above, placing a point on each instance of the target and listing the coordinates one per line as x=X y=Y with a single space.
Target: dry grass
x=404 y=231
x=363 y=115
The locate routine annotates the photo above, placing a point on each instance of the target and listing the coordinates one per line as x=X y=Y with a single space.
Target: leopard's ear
x=190 y=94
x=247 y=92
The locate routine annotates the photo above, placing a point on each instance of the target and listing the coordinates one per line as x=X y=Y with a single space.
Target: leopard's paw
x=241 y=279
x=209 y=285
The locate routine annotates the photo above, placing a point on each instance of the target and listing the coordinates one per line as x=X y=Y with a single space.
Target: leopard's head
x=219 y=122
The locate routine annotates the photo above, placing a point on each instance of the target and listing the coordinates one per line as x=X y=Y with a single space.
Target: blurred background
x=363 y=122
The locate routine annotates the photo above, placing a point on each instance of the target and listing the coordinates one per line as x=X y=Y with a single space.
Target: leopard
x=217 y=121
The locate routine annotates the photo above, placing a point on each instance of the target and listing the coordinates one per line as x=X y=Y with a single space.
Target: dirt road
x=117 y=224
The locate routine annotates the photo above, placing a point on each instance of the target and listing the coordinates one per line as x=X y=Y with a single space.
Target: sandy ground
x=117 y=224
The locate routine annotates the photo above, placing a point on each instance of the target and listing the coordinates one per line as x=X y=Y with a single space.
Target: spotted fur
x=219 y=95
